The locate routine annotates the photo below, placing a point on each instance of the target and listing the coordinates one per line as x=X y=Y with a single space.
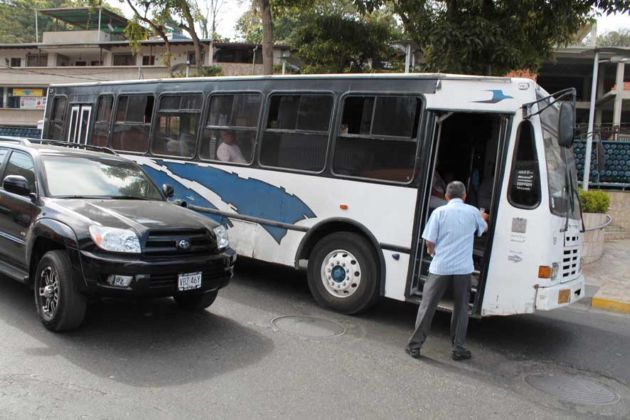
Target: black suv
x=77 y=223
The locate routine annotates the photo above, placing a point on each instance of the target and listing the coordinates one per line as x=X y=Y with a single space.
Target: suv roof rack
x=27 y=141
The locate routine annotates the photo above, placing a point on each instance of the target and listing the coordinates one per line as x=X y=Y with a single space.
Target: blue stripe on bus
x=248 y=196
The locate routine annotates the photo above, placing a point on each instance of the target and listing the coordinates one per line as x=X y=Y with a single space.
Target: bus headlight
x=547 y=272
x=220 y=232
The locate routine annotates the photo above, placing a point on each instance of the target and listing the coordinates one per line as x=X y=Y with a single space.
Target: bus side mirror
x=168 y=190
x=566 y=124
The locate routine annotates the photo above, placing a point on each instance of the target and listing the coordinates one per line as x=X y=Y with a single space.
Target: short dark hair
x=455 y=189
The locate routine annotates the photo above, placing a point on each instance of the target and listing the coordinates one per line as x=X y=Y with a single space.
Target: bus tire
x=343 y=273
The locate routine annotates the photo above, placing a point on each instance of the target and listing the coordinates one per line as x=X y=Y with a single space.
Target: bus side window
x=296 y=133
x=100 y=136
x=57 y=118
x=177 y=123
x=231 y=127
x=378 y=137
x=133 y=123
x=524 y=189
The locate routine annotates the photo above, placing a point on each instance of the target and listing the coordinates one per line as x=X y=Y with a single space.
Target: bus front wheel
x=343 y=273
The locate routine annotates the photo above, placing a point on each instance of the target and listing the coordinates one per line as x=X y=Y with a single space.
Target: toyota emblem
x=183 y=245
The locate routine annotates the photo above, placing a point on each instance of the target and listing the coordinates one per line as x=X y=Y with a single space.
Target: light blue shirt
x=452 y=228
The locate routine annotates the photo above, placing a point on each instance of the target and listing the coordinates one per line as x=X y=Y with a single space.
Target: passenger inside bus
x=228 y=150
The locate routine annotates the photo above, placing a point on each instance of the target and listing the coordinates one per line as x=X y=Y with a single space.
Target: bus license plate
x=564 y=296
x=189 y=281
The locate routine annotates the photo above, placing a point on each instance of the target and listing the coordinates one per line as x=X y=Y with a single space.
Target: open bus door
x=468 y=147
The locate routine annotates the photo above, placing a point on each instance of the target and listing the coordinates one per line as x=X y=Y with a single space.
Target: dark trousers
x=433 y=290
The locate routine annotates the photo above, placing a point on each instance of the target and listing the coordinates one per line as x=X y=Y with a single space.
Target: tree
x=491 y=36
x=17 y=18
x=156 y=18
x=619 y=38
x=267 y=35
x=211 y=9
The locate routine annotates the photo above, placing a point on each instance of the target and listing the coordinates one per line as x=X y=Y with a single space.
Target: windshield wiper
x=128 y=197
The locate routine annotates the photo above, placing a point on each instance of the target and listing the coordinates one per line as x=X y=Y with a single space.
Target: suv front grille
x=165 y=242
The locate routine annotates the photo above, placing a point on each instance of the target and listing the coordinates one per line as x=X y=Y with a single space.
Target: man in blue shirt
x=449 y=236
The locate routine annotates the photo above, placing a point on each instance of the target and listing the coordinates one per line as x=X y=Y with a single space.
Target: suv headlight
x=115 y=240
x=220 y=232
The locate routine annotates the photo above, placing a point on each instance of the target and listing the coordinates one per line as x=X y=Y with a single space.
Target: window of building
x=178 y=121
x=524 y=190
x=148 y=60
x=37 y=60
x=230 y=132
x=21 y=164
x=96 y=63
x=296 y=133
x=57 y=118
x=102 y=120
x=125 y=59
x=16 y=62
x=191 y=57
x=378 y=137
x=133 y=123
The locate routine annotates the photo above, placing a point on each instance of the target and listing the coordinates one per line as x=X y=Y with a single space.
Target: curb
x=610 y=305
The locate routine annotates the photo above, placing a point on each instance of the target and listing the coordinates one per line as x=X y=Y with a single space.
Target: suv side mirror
x=16 y=184
x=566 y=124
x=168 y=190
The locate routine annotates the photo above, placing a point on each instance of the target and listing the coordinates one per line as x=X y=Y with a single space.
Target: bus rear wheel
x=343 y=273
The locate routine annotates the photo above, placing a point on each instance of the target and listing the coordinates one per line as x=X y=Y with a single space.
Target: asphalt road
x=248 y=357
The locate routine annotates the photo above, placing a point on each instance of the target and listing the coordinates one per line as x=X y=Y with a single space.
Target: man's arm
x=430 y=248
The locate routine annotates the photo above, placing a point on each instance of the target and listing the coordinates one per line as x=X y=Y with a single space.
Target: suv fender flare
x=57 y=232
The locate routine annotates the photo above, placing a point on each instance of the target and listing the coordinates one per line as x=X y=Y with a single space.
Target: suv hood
x=139 y=215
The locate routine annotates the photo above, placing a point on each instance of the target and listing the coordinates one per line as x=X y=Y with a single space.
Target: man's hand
x=484 y=216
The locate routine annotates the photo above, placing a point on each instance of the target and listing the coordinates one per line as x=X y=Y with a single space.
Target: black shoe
x=461 y=354
x=415 y=353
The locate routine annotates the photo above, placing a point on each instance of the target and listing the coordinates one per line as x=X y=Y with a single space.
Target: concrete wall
x=71 y=37
x=619 y=210
x=593 y=240
x=20 y=117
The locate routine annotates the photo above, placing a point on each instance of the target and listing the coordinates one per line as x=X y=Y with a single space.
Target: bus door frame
x=428 y=161
x=79 y=127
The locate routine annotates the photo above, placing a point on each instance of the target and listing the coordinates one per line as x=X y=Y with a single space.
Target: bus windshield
x=561 y=169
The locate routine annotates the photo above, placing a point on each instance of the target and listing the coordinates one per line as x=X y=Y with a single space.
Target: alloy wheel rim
x=48 y=292
x=341 y=273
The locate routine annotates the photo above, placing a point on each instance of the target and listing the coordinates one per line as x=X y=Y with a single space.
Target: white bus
x=337 y=175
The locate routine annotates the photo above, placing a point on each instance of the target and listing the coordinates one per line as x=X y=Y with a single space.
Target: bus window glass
x=102 y=121
x=230 y=133
x=133 y=122
x=178 y=119
x=378 y=138
x=524 y=190
x=57 y=118
x=297 y=132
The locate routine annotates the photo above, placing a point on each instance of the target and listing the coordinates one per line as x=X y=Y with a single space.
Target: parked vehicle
x=335 y=174
x=77 y=223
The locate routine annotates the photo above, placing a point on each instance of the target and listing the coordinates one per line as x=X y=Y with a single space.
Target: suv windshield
x=84 y=177
x=561 y=169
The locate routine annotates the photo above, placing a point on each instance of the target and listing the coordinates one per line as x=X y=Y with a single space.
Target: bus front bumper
x=561 y=294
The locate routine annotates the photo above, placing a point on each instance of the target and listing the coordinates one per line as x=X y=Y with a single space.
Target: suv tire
x=197 y=302
x=60 y=306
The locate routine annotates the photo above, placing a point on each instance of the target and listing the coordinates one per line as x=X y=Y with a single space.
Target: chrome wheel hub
x=341 y=273
x=49 y=291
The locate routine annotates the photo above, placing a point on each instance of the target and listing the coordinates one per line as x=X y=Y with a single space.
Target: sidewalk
x=608 y=279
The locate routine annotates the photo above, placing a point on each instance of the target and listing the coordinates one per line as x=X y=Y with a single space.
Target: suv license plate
x=189 y=281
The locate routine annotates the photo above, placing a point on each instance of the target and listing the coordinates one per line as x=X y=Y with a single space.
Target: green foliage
x=336 y=43
x=594 y=201
x=619 y=38
x=17 y=18
x=490 y=36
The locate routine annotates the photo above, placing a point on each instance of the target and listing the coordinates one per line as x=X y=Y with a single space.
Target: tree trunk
x=267 y=42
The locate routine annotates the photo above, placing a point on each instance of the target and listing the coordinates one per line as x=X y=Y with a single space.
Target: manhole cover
x=308 y=326
x=573 y=388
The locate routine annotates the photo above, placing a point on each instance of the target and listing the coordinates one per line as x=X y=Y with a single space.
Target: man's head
x=456 y=189
x=227 y=136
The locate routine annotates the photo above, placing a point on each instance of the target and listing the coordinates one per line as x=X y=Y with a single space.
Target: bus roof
x=417 y=76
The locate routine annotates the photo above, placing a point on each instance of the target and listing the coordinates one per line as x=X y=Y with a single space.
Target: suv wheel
x=60 y=306
x=197 y=302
